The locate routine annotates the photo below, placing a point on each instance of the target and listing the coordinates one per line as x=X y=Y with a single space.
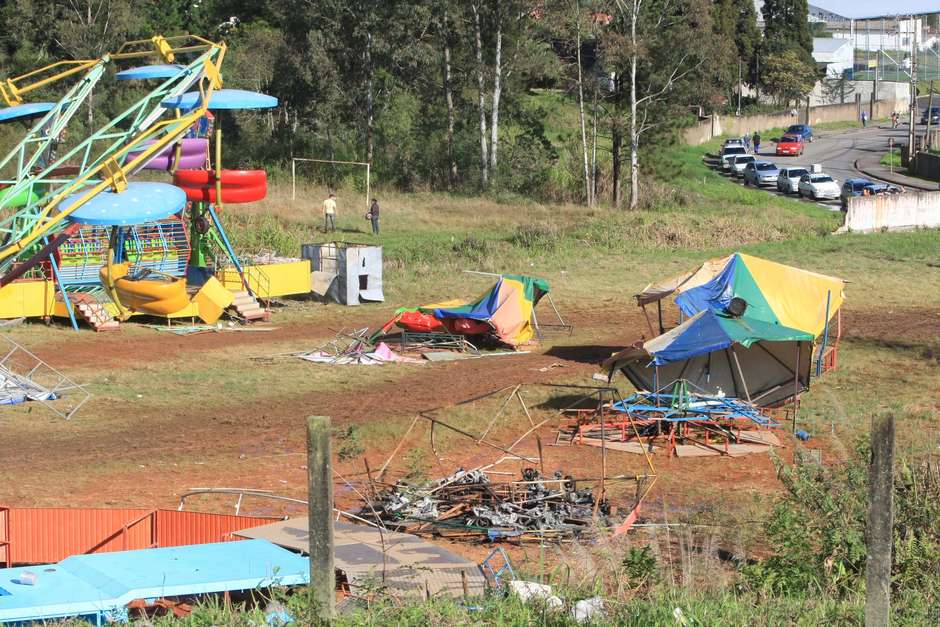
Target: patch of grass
x=892 y=158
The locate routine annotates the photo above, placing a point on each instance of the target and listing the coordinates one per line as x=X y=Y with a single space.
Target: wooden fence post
x=879 y=530
x=320 y=517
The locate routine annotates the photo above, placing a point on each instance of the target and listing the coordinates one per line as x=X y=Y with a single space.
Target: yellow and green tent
x=774 y=292
x=762 y=351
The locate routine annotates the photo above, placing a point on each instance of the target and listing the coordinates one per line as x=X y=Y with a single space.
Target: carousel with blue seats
x=81 y=239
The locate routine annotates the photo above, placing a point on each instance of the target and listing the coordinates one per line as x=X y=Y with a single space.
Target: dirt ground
x=163 y=450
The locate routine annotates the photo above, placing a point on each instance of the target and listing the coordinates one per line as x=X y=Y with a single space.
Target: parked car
x=818 y=186
x=865 y=187
x=738 y=164
x=788 y=181
x=790 y=145
x=761 y=173
x=730 y=152
x=934 y=115
x=804 y=131
x=733 y=141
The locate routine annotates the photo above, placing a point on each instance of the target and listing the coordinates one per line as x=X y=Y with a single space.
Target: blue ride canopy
x=222 y=99
x=25 y=111
x=139 y=203
x=146 y=72
x=99 y=586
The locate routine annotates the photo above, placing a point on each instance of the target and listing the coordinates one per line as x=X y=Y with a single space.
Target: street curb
x=899 y=180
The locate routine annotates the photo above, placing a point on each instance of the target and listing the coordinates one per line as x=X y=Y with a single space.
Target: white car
x=734 y=141
x=788 y=181
x=818 y=186
x=730 y=152
x=739 y=162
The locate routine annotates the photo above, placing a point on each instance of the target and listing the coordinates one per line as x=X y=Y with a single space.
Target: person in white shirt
x=329 y=213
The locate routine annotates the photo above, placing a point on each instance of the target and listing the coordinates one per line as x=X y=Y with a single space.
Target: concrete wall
x=746 y=124
x=927 y=166
x=892 y=212
x=900 y=93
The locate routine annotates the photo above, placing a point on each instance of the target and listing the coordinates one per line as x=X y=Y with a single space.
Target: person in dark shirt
x=374 y=216
x=756 y=141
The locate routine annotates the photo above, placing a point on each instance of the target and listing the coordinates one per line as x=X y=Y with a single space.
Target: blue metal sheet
x=223 y=99
x=145 y=72
x=139 y=203
x=25 y=111
x=102 y=584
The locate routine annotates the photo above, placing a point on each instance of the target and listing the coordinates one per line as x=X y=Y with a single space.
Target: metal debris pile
x=25 y=377
x=468 y=504
x=356 y=348
x=16 y=389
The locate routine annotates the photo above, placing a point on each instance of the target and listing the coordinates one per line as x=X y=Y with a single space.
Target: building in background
x=833 y=56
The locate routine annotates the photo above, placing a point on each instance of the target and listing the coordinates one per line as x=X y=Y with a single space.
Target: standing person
x=747 y=141
x=373 y=216
x=329 y=213
x=756 y=140
x=864 y=119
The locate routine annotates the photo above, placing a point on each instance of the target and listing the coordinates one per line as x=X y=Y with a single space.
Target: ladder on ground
x=248 y=308
x=93 y=312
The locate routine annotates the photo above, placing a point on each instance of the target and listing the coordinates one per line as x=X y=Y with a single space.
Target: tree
x=786 y=27
x=787 y=78
x=657 y=51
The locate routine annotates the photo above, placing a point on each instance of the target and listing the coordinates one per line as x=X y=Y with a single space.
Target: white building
x=833 y=55
x=889 y=34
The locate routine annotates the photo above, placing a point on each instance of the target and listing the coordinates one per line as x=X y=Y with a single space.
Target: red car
x=790 y=145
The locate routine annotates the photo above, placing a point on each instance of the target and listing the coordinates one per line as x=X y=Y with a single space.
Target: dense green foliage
x=818 y=531
x=788 y=70
x=412 y=89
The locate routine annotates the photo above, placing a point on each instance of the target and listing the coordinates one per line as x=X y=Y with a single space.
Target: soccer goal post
x=293 y=173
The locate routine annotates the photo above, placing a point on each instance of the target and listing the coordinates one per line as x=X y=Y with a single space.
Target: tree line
x=442 y=94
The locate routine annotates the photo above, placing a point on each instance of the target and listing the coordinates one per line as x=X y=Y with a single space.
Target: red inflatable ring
x=238 y=186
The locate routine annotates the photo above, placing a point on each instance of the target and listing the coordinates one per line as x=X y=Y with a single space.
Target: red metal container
x=45 y=535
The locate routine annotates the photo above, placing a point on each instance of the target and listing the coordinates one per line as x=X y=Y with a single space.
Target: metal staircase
x=92 y=312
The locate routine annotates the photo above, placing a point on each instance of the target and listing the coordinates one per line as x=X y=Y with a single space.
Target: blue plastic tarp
x=715 y=294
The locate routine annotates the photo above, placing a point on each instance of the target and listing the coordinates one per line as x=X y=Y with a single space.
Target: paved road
x=837 y=151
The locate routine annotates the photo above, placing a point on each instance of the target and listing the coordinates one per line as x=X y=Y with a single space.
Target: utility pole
x=739 y=88
x=928 y=142
x=320 y=518
x=874 y=76
x=913 y=111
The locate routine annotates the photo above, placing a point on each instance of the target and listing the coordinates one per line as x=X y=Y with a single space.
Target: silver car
x=788 y=181
x=761 y=173
x=740 y=162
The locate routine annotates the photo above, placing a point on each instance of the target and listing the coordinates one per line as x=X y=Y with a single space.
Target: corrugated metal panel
x=181 y=528
x=4 y=549
x=43 y=535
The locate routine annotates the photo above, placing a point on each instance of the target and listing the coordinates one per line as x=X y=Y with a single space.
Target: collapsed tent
x=504 y=311
x=773 y=292
x=761 y=352
x=723 y=355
